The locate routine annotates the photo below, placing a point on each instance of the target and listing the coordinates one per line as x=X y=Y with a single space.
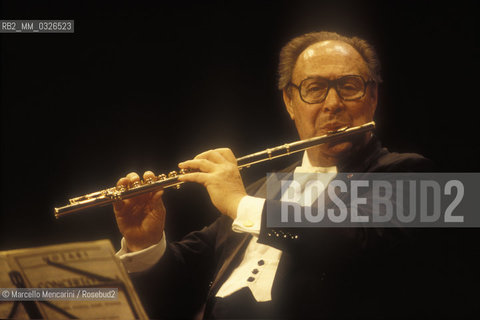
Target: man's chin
x=329 y=154
x=337 y=150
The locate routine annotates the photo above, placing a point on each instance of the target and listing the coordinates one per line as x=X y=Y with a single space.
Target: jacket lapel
x=234 y=251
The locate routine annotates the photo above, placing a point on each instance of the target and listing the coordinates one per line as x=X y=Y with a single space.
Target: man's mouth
x=334 y=126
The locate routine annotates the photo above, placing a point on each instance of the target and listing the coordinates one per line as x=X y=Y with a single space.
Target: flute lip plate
x=338 y=130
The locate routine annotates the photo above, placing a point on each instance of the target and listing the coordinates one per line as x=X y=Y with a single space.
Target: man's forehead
x=330 y=52
x=327 y=48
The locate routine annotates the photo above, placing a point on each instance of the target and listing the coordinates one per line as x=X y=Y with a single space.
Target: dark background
x=143 y=86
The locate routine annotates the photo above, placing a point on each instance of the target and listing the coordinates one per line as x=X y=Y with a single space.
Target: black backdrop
x=143 y=86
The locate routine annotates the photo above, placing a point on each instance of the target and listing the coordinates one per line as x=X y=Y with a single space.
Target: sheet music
x=73 y=265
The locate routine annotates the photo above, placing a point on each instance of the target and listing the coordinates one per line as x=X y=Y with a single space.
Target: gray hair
x=290 y=52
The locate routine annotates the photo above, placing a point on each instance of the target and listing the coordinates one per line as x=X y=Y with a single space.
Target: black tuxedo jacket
x=323 y=272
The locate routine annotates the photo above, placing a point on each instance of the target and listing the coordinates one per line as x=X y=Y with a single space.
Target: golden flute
x=110 y=195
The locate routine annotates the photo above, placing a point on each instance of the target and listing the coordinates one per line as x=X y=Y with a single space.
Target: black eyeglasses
x=315 y=89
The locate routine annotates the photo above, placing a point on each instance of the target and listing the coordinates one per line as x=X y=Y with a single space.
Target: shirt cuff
x=249 y=215
x=141 y=260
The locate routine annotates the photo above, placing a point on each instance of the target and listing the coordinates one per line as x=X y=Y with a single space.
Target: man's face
x=330 y=60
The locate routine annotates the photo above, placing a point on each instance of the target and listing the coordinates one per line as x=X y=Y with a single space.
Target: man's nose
x=332 y=103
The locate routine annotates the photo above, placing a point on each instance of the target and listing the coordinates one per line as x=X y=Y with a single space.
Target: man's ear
x=288 y=103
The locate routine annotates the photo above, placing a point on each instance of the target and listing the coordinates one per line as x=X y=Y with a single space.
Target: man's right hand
x=141 y=219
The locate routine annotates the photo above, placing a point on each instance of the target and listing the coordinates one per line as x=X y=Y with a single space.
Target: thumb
x=157 y=198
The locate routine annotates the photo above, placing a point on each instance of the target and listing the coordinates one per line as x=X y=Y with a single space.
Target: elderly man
x=238 y=267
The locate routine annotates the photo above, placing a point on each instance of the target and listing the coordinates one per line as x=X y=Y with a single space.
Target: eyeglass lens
x=348 y=88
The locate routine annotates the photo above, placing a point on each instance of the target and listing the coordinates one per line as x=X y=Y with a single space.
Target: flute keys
x=136 y=184
x=174 y=174
x=184 y=171
x=148 y=181
x=162 y=177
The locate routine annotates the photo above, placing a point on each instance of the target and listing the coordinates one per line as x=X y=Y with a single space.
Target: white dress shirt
x=260 y=262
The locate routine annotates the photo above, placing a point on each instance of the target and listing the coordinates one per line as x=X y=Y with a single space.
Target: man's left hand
x=218 y=172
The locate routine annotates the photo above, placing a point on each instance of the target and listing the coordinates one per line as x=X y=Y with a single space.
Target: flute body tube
x=110 y=195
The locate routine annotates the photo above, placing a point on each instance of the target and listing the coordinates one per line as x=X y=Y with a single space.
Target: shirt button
x=247 y=223
x=250 y=279
x=261 y=262
x=255 y=271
